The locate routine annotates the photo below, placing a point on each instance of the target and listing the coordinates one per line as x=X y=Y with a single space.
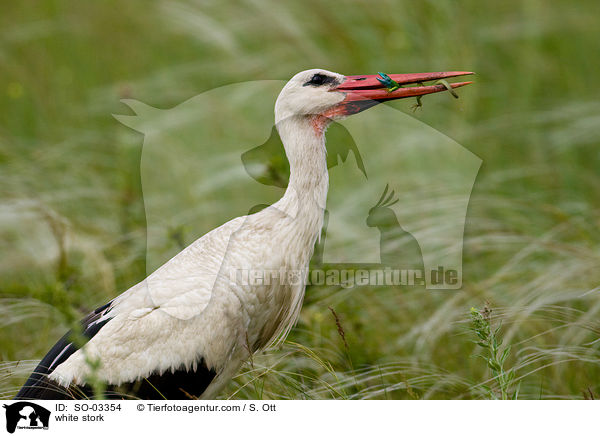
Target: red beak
x=363 y=92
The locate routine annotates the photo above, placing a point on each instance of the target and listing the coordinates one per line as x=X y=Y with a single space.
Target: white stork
x=184 y=331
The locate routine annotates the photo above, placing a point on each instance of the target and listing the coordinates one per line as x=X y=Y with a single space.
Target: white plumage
x=191 y=324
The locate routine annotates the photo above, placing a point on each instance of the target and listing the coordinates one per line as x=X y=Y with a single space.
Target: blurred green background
x=72 y=222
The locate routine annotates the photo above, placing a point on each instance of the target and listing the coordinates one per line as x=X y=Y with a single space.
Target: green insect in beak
x=388 y=82
x=392 y=85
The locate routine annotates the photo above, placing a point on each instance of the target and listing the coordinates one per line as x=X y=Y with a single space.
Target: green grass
x=72 y=220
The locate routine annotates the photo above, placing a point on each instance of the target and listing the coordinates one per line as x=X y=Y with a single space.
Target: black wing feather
x=181 y=384
x=38 y=385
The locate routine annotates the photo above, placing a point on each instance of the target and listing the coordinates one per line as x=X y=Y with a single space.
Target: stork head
x=334 y=96
x=308 y=93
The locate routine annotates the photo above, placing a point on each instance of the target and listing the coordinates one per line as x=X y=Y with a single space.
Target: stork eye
x=320 y=79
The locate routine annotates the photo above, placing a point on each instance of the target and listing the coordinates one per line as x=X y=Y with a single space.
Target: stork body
x=185 y=330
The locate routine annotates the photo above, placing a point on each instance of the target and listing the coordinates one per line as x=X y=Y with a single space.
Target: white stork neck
x=303 y=138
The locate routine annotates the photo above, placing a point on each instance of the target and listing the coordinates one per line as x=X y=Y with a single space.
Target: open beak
x=363 y=92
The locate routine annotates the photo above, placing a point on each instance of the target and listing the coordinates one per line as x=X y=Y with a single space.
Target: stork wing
x=142 y=337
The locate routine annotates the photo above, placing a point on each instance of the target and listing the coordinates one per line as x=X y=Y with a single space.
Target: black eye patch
x=320 y=79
